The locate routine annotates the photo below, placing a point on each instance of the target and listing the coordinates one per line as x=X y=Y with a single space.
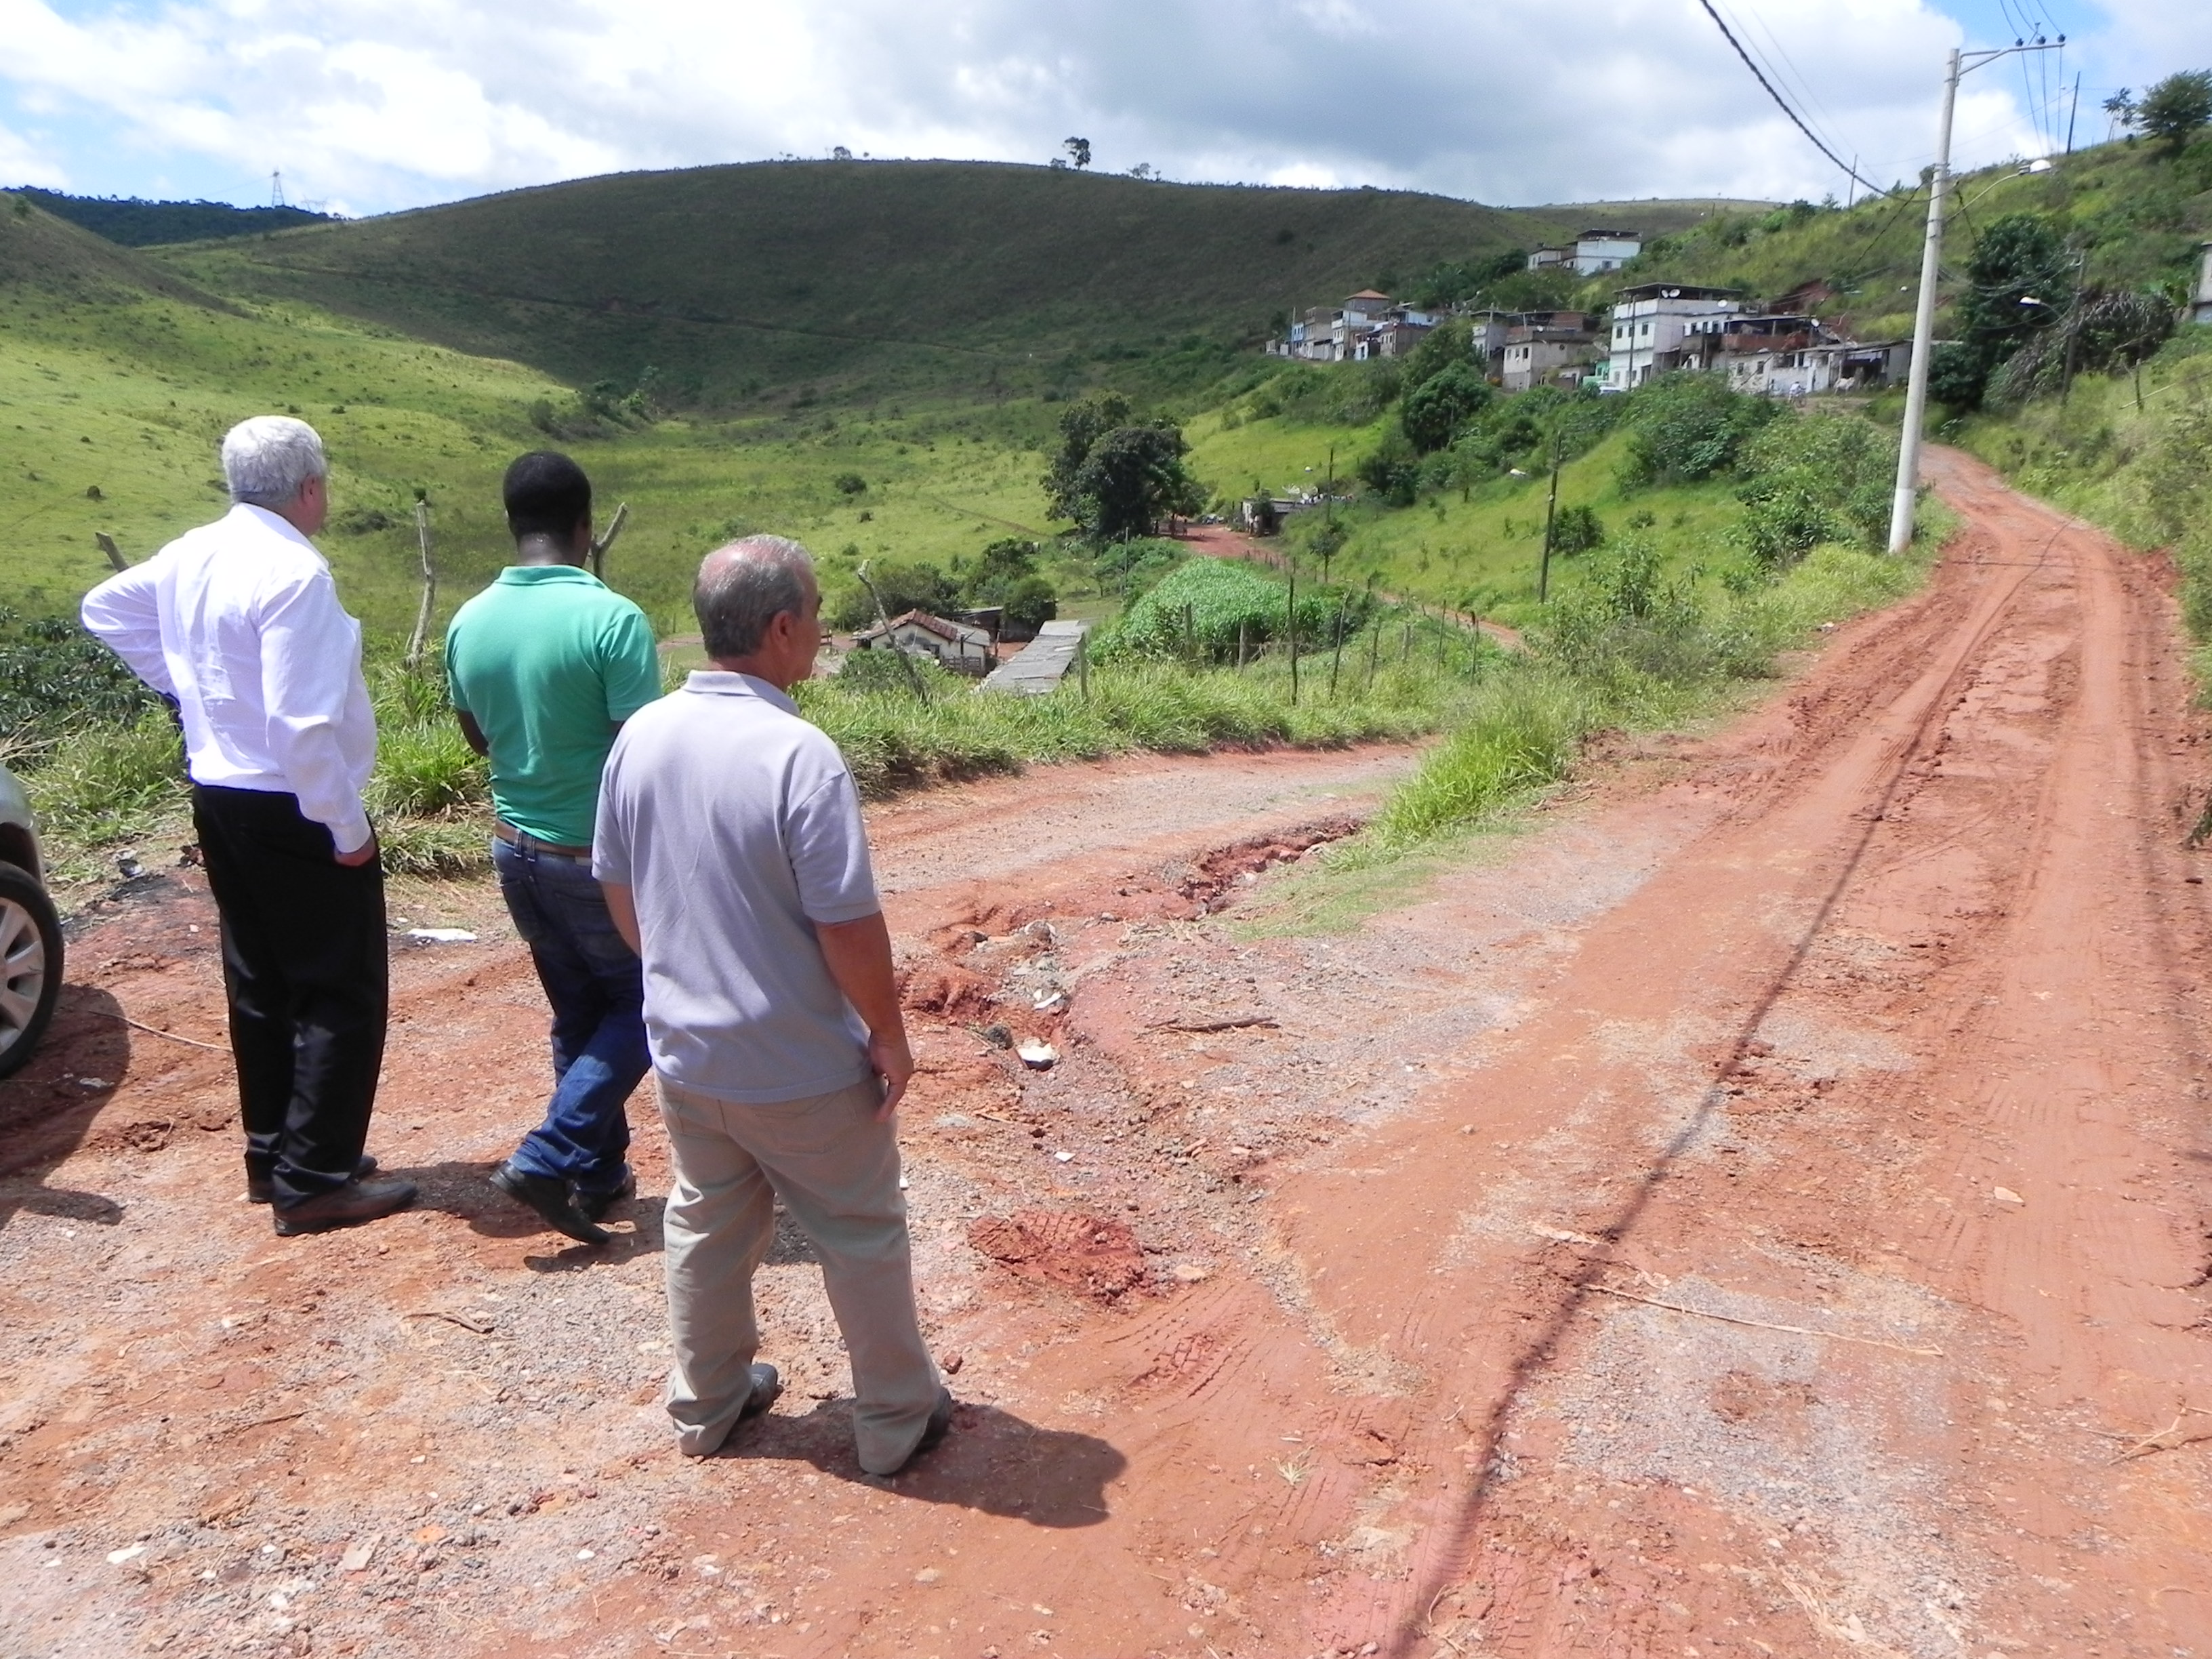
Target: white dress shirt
x=240 y=621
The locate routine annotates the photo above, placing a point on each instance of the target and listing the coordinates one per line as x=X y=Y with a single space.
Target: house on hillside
x=960 y=647
x=1784 y=354
x=1651 y=322
x=1591 y=253
x=1547 y=348
x=2201 y=307
x=1366 y=326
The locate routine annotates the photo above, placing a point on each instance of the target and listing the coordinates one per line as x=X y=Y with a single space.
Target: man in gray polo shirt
x=731 y=848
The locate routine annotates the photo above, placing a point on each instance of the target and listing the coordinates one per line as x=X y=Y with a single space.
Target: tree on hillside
x=1133 y=477
x=1435 y=410
x=2121 y=107
x=998 y=567
x=2019 y=282
x=1449 y=343
x=904 y=586
x=2173 y=111
x=1081 y=426
x=1078 y=150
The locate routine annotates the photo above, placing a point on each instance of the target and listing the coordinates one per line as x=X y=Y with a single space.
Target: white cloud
x=389 y=103
x=23 y=162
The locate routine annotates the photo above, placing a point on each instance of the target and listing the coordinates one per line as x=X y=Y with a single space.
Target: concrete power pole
x=1932 y=263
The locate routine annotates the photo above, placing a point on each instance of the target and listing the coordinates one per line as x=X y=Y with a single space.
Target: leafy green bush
x=1818 y=477
x=1577 y=530
x=56 y=678
x=1392 y=470
x=1435 y=410
x=1221 y=597
x=1684 y=428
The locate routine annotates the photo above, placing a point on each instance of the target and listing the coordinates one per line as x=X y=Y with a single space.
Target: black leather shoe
x=344 y=1206
x=262 y=1190
x=595 y=1205
x=932 y=1433
x=550 y=1198
x=767 y=1386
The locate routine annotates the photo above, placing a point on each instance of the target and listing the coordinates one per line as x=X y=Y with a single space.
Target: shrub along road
x=1759 y=1211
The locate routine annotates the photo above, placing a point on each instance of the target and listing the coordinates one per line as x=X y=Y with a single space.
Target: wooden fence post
x=606 y=539
x=913 y=674
x=1336 y=657
x=115 y=559
x=420 y=639
x=1291 y=616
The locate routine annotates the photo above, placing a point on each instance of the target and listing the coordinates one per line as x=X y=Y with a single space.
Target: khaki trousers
x=836 y=1169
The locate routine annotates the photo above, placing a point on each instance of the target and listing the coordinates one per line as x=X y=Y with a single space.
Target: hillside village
x=1654 y=328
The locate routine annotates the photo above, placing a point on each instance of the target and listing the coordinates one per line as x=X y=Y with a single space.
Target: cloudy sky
x=368 y=106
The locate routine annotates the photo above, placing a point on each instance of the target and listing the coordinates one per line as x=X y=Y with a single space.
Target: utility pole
x=2073 y=110
x=1551 y=518
x=1932 y=263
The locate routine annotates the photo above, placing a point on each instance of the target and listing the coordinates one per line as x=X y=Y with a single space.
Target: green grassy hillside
x=981 y=279
x=116 y=383
x=2138 y=213
x=44 y=255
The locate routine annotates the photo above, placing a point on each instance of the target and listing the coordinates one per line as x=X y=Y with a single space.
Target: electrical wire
x=1780 y=102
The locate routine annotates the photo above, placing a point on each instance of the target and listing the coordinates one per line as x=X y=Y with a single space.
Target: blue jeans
x=596 y=986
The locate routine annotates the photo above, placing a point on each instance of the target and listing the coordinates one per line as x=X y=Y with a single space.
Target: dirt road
x=1759 y=1211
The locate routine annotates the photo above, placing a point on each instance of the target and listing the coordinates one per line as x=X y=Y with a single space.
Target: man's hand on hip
x=890 y=1059
x=364 y=854
x=858 y=956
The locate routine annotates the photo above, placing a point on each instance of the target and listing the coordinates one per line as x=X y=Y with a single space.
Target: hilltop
x=134 y=221
x=976 y=278
x=41 y=254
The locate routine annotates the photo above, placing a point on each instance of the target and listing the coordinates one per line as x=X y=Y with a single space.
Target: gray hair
x=268 y=459
x=744 y=586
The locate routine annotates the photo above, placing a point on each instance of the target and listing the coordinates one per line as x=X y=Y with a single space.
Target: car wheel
x=30 y=965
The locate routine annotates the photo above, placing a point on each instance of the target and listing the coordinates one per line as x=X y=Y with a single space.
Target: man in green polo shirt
x=544 y=666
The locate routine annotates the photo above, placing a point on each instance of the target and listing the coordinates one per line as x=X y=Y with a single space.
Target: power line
x=1782 y=103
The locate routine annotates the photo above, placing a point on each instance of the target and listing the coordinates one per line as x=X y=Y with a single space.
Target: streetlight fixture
x=1931 y=260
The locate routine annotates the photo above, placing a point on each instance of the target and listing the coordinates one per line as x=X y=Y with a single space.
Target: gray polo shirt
x=736 y=826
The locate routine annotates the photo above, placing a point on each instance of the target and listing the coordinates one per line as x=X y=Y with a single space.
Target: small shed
x=958 y=646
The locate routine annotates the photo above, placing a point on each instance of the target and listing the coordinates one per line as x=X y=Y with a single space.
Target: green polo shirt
x=548 y=659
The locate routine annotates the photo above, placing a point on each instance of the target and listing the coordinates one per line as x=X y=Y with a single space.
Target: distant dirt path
x=1295 y=1308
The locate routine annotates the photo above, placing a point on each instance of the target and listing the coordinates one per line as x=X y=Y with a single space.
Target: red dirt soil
x=1759 y=1211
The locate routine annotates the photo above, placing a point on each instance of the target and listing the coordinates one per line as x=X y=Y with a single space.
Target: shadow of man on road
x=993 y=1461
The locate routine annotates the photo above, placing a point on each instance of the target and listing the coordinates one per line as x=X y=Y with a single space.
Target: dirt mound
x=1098 y=1259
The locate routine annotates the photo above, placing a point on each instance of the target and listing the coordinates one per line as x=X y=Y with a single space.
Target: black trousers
x=304 y=963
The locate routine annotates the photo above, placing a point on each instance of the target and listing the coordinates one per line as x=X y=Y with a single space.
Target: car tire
x=30 y=965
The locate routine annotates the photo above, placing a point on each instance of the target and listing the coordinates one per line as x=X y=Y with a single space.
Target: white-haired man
x=730 y=848
x=239 y=622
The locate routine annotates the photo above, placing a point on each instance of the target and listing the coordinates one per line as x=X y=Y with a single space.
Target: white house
x=1591 y=253
x=2201 y=309
x=963 y=649
x=1546 y=348
x=1651 y=321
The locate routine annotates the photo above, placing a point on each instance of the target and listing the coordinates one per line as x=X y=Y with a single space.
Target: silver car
x=30 y=933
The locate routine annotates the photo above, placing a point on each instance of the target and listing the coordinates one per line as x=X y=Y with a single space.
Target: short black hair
x=547 y=494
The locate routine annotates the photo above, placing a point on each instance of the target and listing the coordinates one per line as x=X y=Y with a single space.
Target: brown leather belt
x=522 y=838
